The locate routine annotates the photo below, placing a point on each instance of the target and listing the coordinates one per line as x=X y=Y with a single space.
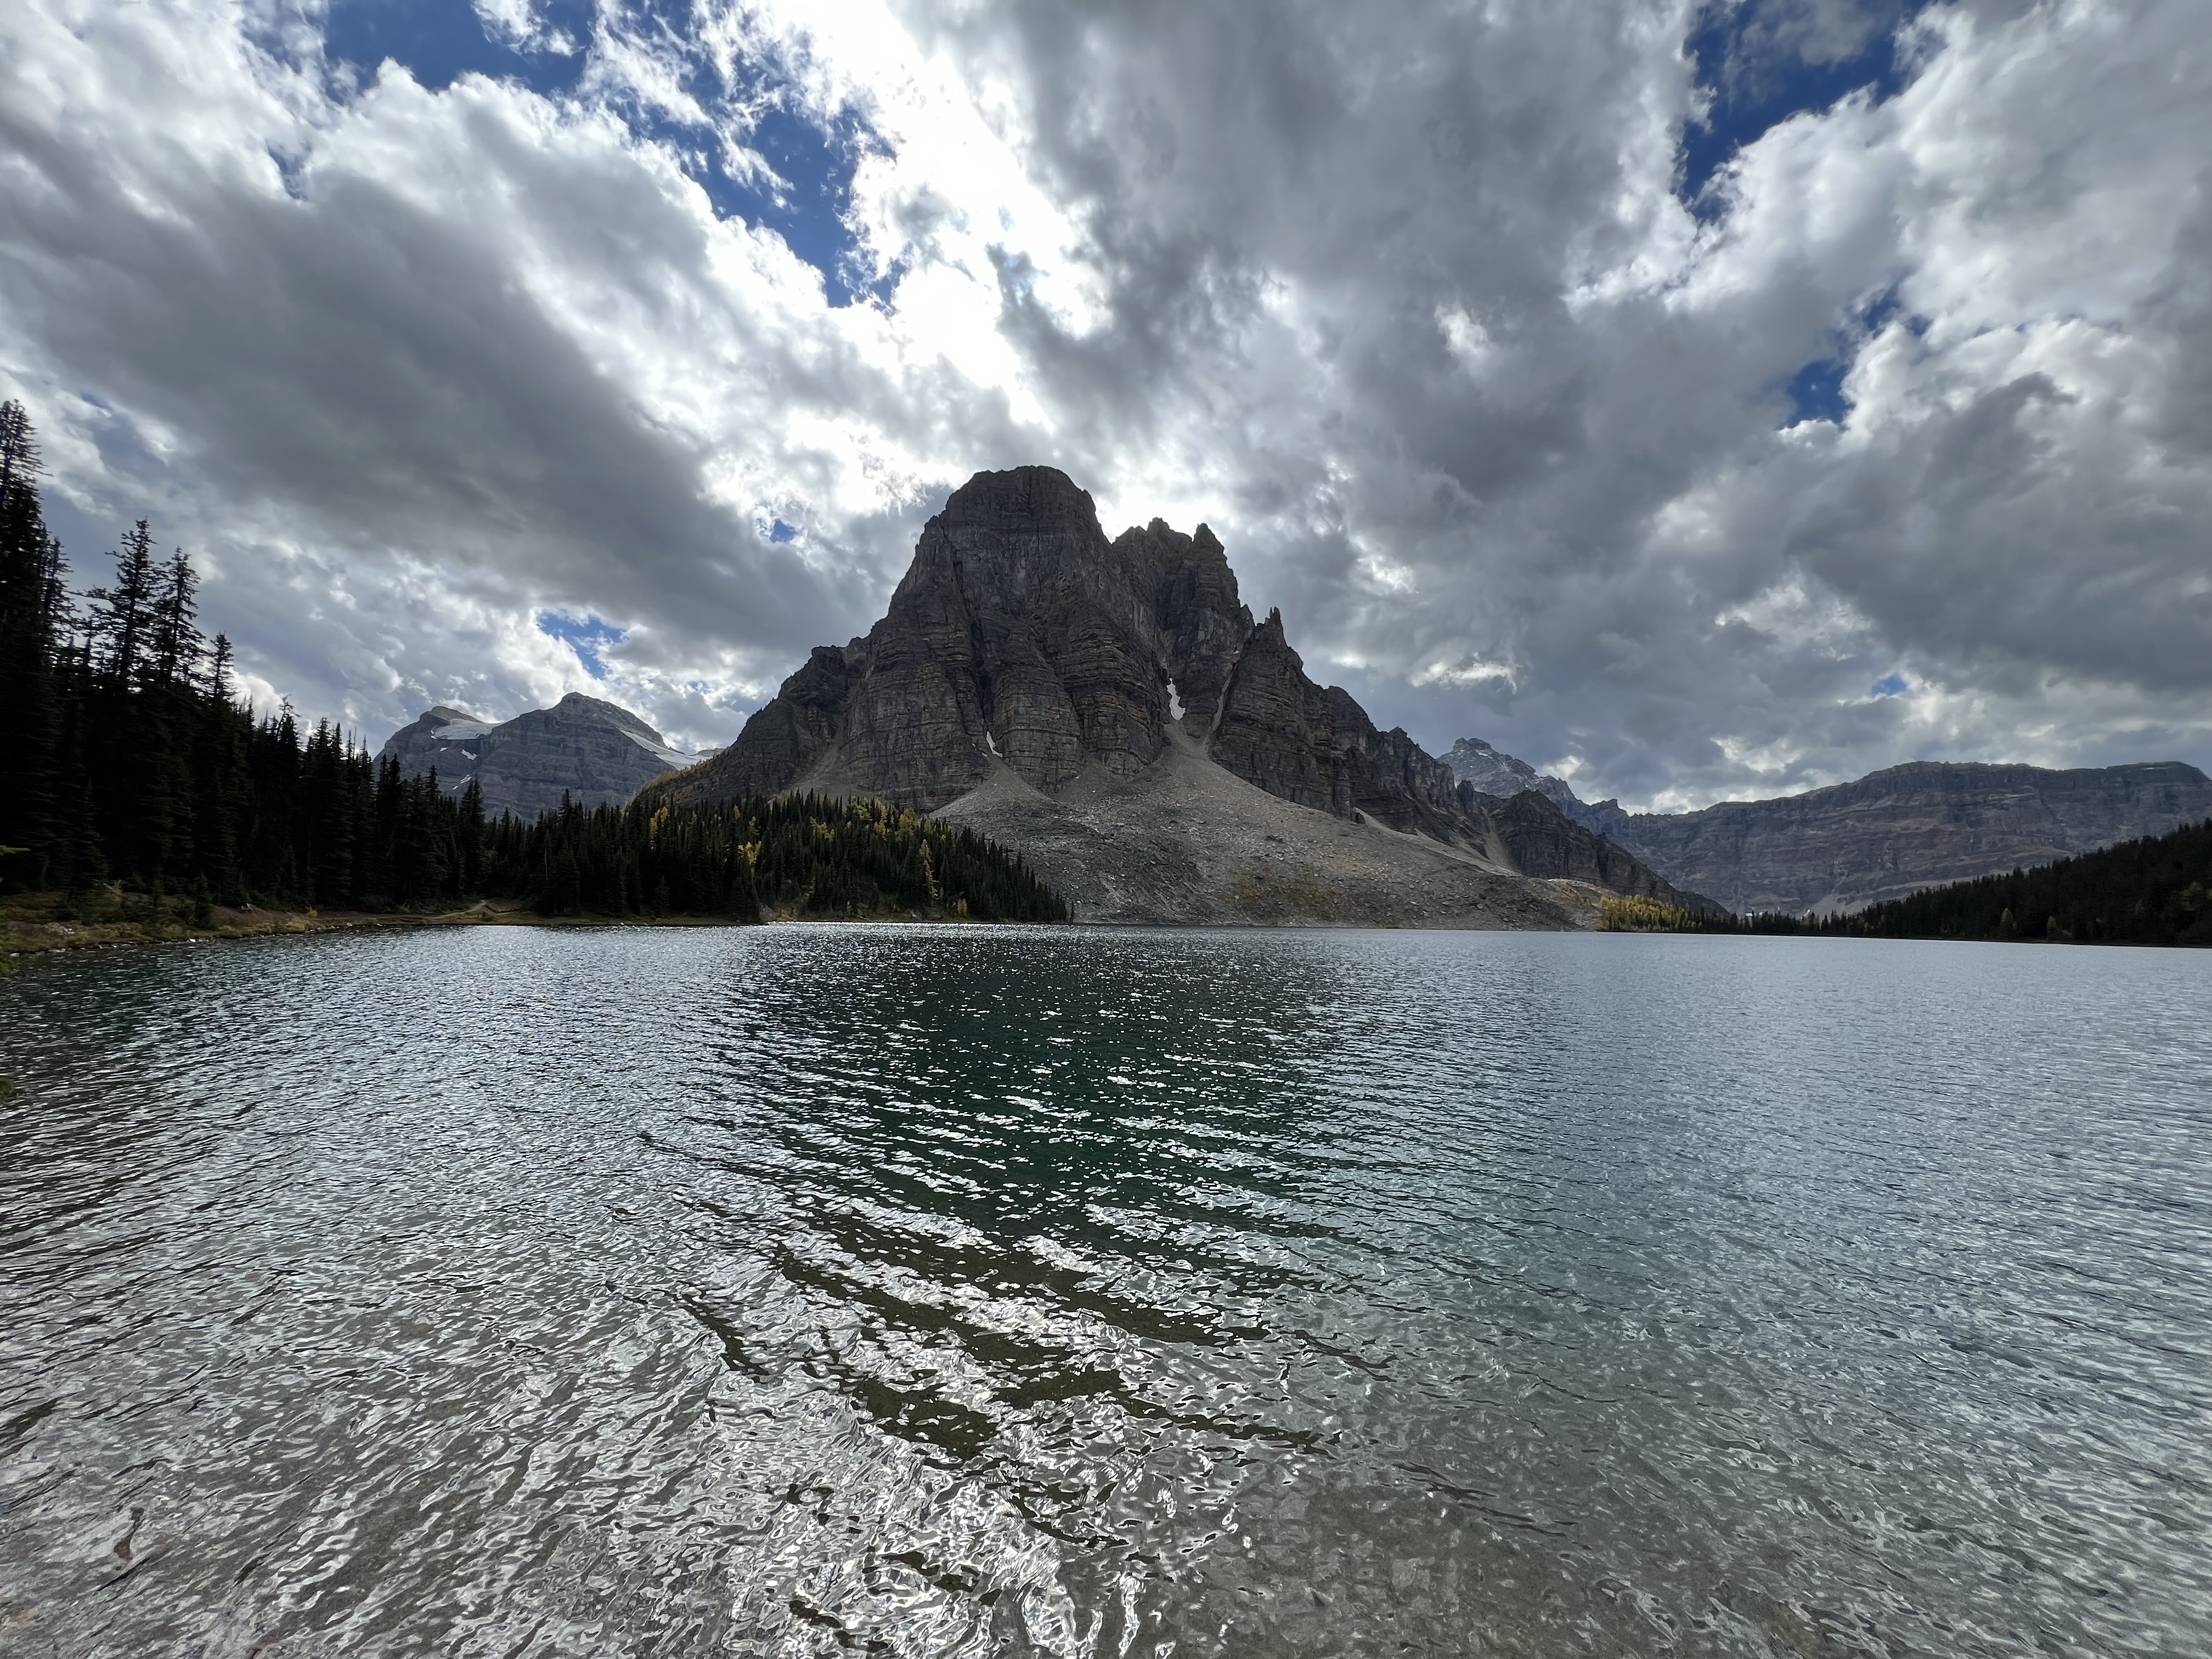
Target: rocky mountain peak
x=1495 y=773
x=1024 y=650
x=1019 y=638
x=584 y=748
x=1040 y=500
x=577 y=709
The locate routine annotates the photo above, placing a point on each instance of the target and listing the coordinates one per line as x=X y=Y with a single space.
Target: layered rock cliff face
x=594 y=752
x=1545 y=841
x=1317 y=747
x=1895 y=831
x=1031 y=671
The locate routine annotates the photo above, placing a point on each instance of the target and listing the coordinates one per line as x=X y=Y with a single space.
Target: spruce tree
x=469 y=840
x=32 y=607
x=174 y=645
x=121 y=616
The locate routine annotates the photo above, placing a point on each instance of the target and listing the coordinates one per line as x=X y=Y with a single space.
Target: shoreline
x=29 y=929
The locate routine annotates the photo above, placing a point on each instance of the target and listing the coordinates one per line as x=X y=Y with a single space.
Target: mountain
x=1111 y=711
x=1895 y=831
x=1473 y=761
x=444 y=738
x=593 y=751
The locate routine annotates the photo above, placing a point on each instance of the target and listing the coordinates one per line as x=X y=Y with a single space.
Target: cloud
x=1636 y=386
x=1442 y=296
x=410 y=366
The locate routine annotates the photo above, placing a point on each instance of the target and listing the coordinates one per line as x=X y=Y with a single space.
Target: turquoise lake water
x=833 y=1290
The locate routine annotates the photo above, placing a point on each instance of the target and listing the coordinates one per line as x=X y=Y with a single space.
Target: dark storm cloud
x=346 y=350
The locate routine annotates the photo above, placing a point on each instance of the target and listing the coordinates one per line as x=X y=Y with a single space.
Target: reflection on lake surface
x=914 y=1291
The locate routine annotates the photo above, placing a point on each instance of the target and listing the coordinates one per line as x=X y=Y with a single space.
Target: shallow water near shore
x=819 y=1290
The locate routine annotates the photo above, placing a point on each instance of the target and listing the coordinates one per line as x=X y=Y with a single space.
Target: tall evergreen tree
x=174 y=645
x=19 y=448
x=469 y=840
x=121 y=616
x=32 y=610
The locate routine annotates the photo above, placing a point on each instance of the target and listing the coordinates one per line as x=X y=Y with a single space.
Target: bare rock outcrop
x=1020 y=637
x=1027 y=664
x=1316 y=746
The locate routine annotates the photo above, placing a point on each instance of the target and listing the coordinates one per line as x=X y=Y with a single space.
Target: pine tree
x=174 y=643
x=20 y=461
x=76 y=861
x=121 y=616
x=564 y=895
x=469 y=840
x=32 y=607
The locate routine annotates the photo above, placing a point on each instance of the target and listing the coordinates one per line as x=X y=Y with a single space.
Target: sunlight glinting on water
x=959 y=1290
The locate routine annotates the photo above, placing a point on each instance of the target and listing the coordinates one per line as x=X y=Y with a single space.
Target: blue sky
x=1752 y=81
x=804 y=191
x=587 y=636
x=1750 y=84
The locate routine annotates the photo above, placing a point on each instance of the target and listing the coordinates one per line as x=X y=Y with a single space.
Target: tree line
x=796 y=854
x=128 y=759
x=2157 y=890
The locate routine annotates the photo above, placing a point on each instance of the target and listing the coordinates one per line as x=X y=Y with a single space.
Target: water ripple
x=805 y=1290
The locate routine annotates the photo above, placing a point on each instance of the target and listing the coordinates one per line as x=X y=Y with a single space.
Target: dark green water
x=839 y=1290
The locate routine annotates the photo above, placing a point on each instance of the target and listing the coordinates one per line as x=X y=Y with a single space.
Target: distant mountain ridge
x=1111 y=710
x=1891 y=833
x=595 y=752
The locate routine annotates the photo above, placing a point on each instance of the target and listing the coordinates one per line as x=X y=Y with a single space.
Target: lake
x=843 y=1289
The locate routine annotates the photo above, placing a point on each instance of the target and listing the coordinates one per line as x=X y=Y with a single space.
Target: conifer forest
x=2155 y=890
x=127 y=757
